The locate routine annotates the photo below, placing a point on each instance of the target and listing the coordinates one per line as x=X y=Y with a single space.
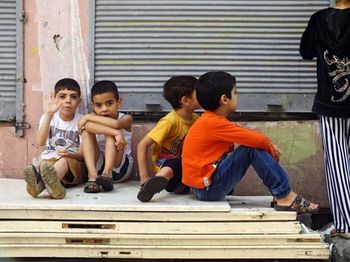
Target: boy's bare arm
x=97 y=128
x=75 y=155
x=52 y=107
x=123 y=123
x=142 y=149
x=43 y=131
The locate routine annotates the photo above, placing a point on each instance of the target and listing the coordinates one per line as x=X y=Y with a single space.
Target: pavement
x=340 y=247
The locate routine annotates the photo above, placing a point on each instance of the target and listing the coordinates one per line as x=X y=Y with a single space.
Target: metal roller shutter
x=11 y=64
x=140 y=44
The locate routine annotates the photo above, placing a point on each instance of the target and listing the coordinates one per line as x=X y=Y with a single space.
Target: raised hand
x=53 y=104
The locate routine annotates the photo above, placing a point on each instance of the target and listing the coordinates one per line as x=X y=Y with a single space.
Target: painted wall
x=55 y=41
x=55 y=46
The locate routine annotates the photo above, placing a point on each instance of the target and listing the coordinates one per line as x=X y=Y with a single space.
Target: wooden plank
x=123 y=198
x=287 y=227
x=159 y=240
x=236 y=214
x=167 y=252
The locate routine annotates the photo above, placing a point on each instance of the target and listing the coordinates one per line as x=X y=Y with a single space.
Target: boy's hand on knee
x=278 y=154
x=64 y=153
x=120 y=142
x=81 y=123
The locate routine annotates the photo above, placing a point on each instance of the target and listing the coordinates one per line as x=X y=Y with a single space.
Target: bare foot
x=294 y=202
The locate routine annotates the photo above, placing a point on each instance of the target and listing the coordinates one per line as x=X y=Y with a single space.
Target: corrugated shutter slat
x=7 y=60
x=140 y=44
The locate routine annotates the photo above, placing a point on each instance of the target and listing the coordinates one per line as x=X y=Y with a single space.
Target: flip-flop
x=299 y=205
x=273 y=203
x=153 y=186
x=92 y=187
x=106 y=182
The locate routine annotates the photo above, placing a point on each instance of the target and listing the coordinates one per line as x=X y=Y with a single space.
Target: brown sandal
x=106 y=182
x=299 y=205
x=92 y=187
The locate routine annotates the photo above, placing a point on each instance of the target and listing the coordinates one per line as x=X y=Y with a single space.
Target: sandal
x=299 y=205
x=273 y=202
x=92 y=187
x=106 y=182
x=153 y=186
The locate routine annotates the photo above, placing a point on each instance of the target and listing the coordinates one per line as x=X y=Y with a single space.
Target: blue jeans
x=233 y=166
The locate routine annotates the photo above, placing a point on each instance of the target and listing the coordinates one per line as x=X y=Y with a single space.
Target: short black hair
x=67 y=83
x=211 y=86
x=104 y=86
x=177 y=87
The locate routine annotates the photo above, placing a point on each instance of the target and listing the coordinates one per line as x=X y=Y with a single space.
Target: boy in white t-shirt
x=107 y=139
x=61 y=162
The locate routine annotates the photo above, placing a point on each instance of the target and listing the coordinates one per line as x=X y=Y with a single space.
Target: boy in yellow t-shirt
x=166 y=138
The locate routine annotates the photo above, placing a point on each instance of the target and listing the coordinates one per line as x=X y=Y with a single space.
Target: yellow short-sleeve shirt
x=168 y=135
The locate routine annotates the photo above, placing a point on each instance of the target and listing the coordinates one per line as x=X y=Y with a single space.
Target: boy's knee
x=87 y=135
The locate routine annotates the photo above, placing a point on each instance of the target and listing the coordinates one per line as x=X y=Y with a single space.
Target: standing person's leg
x=335 y=133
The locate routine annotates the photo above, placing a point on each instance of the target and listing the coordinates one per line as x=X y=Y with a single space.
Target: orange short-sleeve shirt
x=208 y=140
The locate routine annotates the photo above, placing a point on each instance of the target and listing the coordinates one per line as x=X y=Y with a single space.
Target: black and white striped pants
x=335 y=133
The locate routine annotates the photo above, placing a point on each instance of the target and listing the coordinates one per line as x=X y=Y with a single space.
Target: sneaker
x=52 y=183
x=35 y=184
x=153 y=186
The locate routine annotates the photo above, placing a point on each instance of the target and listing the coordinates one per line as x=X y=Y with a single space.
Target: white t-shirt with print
x=62 y=135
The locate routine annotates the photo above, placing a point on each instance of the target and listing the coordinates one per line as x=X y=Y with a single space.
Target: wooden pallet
x=116 y=225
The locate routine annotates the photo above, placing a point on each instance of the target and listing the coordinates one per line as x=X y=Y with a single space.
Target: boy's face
x=70 y=100
x=232 y=104
x=106 y=104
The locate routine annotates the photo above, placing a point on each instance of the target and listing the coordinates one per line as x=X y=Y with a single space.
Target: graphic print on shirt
x=175 y=149
x=67 y=139
x=340 y=74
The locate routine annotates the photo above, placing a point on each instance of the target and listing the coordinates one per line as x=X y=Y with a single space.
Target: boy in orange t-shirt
x=212 y=167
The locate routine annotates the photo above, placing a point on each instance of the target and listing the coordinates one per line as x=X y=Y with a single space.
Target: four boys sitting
x=189 y=152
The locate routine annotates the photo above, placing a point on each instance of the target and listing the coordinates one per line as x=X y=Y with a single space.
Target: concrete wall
x=55 y=46
x=55 y=41
x=302 y=157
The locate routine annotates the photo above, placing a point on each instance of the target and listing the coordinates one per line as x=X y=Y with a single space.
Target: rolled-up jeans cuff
x=281 y=193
